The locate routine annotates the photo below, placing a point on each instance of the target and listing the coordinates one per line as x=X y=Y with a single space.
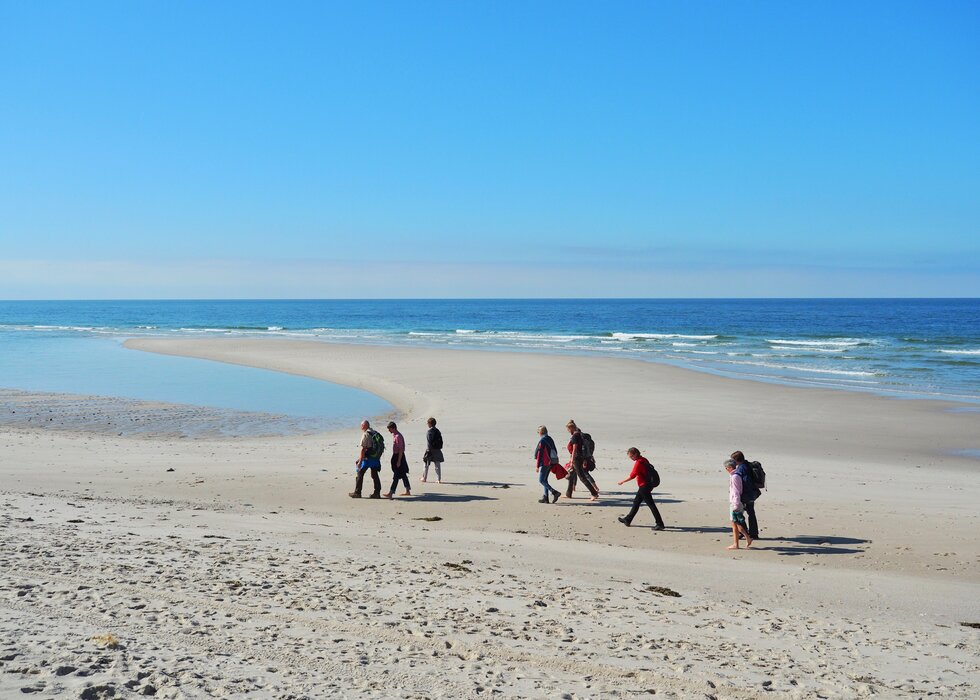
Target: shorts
x=369 y=463
x=738 y=517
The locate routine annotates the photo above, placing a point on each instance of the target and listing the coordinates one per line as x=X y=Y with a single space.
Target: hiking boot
x=354 y=494
x=375 y=495
x=623 y=520
x=660 y=527
x=543 y=500
x=555 y=495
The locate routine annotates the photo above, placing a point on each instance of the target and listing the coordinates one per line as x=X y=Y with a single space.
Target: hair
x=633 y=452
x=730 y=463
x=391 y=424
x=738 y=456
x=366 y=423
x=542 y=430
x=571 y=424
x=430 y=421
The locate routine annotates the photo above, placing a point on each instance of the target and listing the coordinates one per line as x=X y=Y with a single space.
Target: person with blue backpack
x=372 y=446
x=546 y=457
x=750 y=489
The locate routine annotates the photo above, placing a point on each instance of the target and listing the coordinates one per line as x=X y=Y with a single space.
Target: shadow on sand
x=430 y=497
x=810 y=544
x=617 y=499
x=784 y=546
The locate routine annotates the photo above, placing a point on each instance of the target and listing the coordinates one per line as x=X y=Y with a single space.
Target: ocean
x=913 y=348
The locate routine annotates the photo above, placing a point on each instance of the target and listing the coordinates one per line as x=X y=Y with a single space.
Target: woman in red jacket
x=646 y=479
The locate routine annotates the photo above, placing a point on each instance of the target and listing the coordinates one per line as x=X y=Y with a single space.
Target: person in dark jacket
x=750 y=492
x=433 y=451
x=546 y=456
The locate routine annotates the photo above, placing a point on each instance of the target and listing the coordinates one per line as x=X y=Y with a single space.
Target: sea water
x=253 y=401
x=926 y=348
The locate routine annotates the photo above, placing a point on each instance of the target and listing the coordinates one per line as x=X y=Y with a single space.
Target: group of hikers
x=372 y=446
x=746 y=479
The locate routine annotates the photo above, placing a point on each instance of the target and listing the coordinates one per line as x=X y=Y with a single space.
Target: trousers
x=578 y=473
x=374 y=476
x=645 y=495
x=750 y=517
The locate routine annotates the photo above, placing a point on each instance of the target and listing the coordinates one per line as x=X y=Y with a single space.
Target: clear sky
x=454 y=149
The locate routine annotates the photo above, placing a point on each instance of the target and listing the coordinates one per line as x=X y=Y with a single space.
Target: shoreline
x=926 y=349
x=135 y=418
x=969 y=401
x=404 y=401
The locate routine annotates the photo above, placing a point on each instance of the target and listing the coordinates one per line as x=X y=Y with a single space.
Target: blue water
x=75 y=362
x=926 y=348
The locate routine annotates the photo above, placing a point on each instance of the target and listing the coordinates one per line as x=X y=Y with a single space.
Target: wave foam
x=839 y=342
x=960 y=352
x=661 y=336
x=810 y=348
x=819 y=370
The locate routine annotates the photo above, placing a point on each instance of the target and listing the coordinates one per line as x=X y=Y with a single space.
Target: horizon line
x=426 y=299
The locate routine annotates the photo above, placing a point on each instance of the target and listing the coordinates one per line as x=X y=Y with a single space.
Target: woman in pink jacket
x=735 y=501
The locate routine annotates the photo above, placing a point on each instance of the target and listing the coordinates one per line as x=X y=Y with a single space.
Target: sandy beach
x=171 y=566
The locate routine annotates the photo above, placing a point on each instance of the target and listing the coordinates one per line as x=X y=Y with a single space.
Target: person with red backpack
x=546 y=458
x=647 y=479
x=578 y=468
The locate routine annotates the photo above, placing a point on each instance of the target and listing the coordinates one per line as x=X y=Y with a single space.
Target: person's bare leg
x=734 y=536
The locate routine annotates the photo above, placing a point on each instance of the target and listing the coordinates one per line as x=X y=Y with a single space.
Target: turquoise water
x=101 y=366
x=928 y=348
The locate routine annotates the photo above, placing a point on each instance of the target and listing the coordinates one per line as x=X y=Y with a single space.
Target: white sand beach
x=159 y=565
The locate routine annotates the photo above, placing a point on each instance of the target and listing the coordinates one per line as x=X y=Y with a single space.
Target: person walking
x=546 y=455
x=750 y=492
x=372 y=446
x=735 y=488
x=399 y=464
x=578 y=471
x=647 y=480
x=433 y=451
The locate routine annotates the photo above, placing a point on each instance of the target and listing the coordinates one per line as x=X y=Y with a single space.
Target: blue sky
x=452 y=149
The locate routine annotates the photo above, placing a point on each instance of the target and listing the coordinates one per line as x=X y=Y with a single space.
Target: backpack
x=436 y=439
x=378 y=445
x=553 y=454
x=758 y=474
x=588 y=451
x=750 y=487
x=654 y=475
x=549 y=454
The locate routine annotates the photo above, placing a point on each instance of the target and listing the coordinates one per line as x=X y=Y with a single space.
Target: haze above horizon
x=411 y=150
